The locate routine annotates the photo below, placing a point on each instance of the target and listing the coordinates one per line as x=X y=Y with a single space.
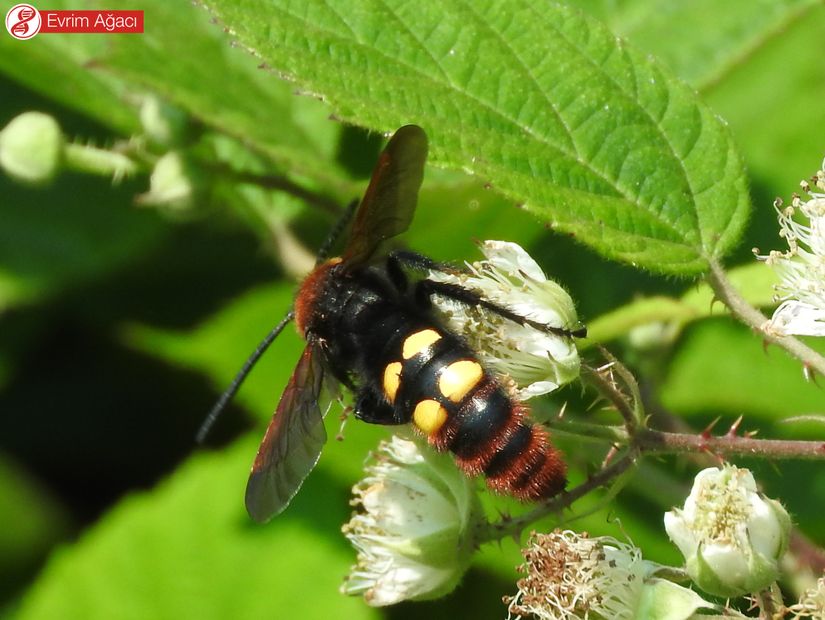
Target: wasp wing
x=292 y=443
x=389 y=202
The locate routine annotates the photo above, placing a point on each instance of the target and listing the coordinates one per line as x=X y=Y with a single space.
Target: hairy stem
x=658 y=442
x=742 y=310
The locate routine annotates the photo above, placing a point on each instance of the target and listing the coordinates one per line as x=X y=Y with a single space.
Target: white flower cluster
x=801 y=268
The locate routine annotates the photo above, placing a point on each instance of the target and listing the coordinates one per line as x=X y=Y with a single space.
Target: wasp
x=368 y=326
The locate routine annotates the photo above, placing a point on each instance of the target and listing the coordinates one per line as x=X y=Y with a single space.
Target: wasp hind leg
x=425 y=289
x=372 y=408
x=417 y=262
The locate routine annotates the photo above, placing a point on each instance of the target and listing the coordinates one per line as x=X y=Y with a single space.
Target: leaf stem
x=585 y=431
x=282 y=183
x=742 y=310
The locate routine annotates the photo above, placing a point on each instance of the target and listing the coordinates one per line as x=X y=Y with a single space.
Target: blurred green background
x=120 y=323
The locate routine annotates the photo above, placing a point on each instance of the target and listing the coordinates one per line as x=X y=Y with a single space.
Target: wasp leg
x=343 y=220
x=417 y=262
x=372 y=408
x=425 y=289
x=400 y=259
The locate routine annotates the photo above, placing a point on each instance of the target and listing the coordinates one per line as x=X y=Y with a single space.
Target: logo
x=23 y=21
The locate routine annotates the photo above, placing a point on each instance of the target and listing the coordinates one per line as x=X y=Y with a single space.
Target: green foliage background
x=120 y=324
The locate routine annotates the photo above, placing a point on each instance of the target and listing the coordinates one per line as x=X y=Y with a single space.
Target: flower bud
x=732 y=536
x=537 y=361
x=413 y=531
x=173 y=183
x=163 y=123
x=31 y=148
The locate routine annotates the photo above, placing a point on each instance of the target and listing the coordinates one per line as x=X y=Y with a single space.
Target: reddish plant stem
x=658 y=442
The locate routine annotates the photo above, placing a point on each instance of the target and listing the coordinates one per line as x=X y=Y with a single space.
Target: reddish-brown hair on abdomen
x=517 y=457
x=537 y=472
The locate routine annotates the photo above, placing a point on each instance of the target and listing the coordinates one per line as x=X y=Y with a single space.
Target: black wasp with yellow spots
x=373 y=330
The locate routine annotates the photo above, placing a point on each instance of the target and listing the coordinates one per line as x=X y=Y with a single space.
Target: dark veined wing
x=292 y=443
x=389 y=202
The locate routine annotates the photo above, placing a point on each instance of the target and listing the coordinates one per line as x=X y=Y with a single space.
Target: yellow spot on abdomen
x=392 y=379
x=418 y=342
x=429 y=416
x=457 y=379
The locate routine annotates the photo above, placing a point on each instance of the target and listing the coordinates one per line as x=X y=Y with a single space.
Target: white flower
x=802 y=268
x=538 y=362
x=812 y=603
x=571 y=576
x=414 y=531
x=732 y=536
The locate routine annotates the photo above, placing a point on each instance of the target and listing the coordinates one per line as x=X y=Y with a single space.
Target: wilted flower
x=414 y=530
x=802 y=267
x=571 y=576
x=732 y=536
x=812 y=603
x=538 y=362
x=31 y=147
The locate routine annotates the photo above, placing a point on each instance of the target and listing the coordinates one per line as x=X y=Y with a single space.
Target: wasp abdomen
x=434 y=381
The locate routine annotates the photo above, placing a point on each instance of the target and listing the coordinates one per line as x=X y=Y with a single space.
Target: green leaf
x=703 y=40
x=548 y=105
x=188 y=550
x=32 y=522
x=227 y=89
x=771 y=103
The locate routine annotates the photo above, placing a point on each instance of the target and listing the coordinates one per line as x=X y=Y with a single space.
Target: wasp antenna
x=336 y=231
x=233 y=388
